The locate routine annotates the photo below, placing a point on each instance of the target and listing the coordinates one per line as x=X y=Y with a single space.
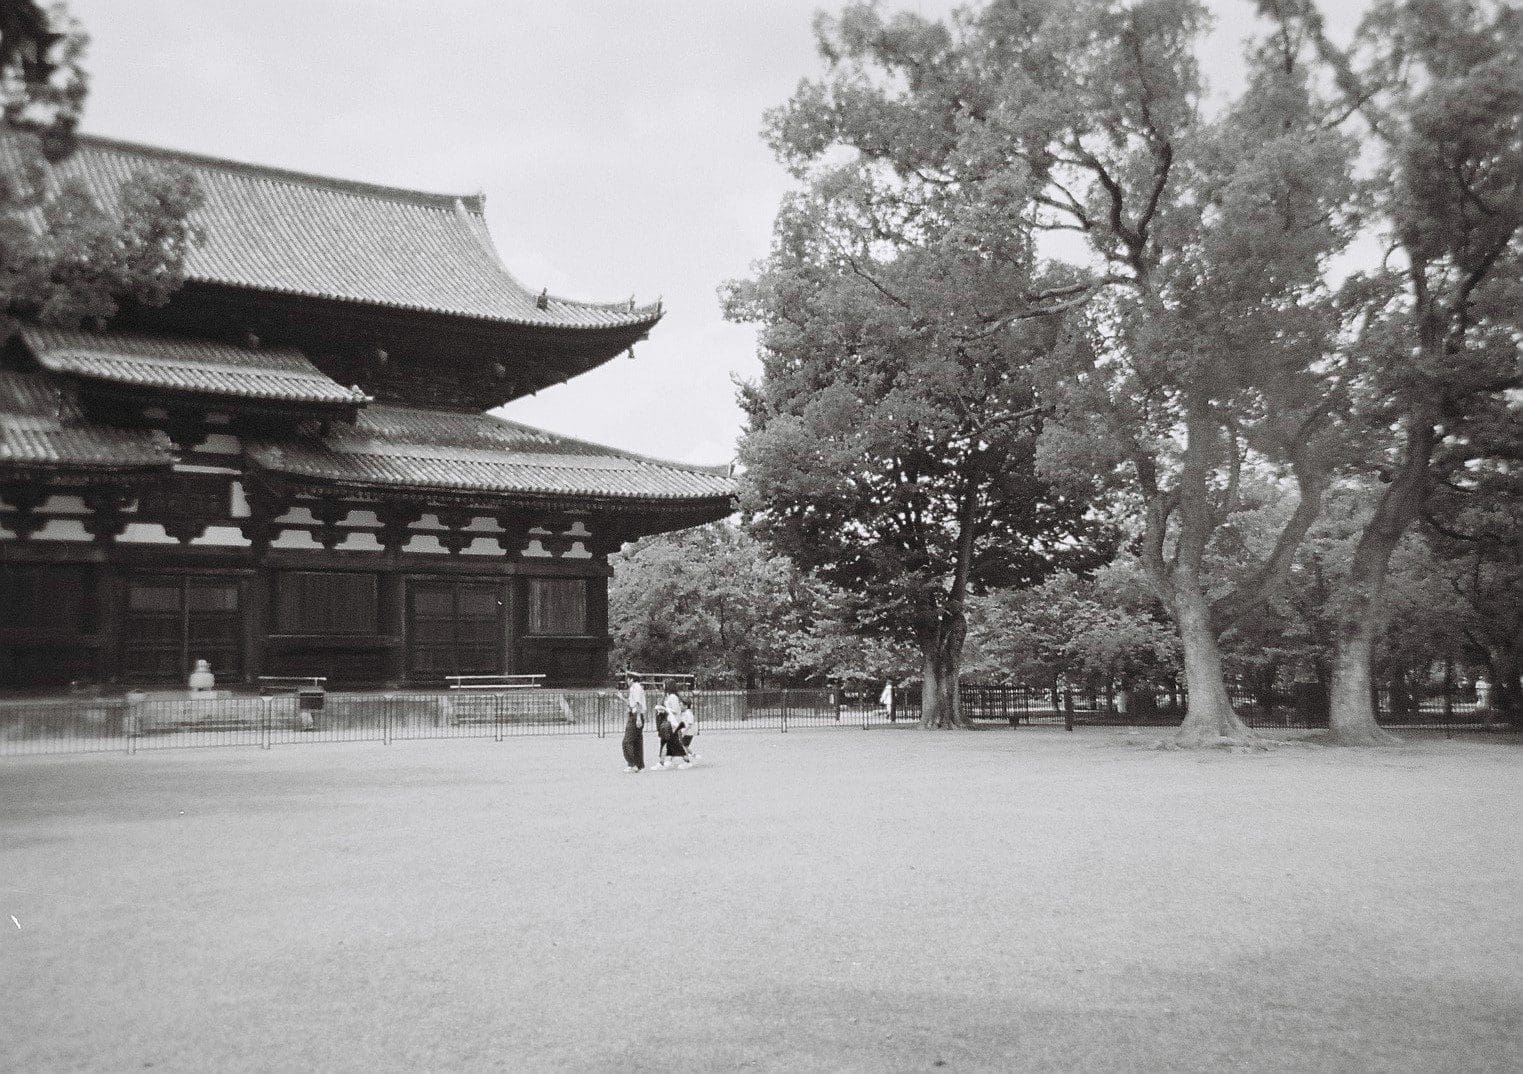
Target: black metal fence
x=140 y=722
x=1292 y=710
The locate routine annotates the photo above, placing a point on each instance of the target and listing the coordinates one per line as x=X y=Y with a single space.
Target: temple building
x=291 y=468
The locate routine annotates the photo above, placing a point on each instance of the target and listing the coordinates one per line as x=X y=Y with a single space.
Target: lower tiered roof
x=196 y=366
x=394 y=447
x=42 y=428
x=408 y=451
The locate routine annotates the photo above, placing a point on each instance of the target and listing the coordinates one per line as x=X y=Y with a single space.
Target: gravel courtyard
x=821 y=900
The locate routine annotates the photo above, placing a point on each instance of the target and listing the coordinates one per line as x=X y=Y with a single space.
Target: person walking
x=684 y=727
x=634 y=729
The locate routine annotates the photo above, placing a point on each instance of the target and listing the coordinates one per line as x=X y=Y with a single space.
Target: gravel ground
x=821 y=900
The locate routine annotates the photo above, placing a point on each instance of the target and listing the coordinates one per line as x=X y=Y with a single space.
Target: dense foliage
x=1196 y=341
x=65 y=258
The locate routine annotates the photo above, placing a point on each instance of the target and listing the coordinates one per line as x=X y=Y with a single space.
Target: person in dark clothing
x=634 y=730
x=664 y=734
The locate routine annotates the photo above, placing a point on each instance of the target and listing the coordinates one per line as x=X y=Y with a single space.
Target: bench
x=478 y=705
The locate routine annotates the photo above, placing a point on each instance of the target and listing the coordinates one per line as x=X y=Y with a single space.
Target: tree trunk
x=942 y=649
x=1209 y=719
x=1351 y=713
x=1506 y=689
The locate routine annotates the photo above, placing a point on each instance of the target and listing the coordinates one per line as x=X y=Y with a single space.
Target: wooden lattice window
x=558 y=606
x=327 y=602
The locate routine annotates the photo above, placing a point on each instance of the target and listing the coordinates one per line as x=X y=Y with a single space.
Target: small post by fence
x=1068 y=710
x=386 y=723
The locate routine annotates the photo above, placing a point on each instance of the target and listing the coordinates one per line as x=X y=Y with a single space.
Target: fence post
x=386 y=723
x=783 y=720
x=1068 y=710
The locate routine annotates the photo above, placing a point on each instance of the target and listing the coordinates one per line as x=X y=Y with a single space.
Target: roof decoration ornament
x=543 y=301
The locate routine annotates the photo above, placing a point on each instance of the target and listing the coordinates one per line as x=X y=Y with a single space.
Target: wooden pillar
x=258 y=621
x=597 y=626
x=102 y=610
x=515 y=624
x=113 y=612
x=393 y=598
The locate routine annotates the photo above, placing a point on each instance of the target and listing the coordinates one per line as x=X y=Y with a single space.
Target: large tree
x=1203 y=243
x=1435 y=329
x=890 y=444
x=1474 y=523
x=64 y=257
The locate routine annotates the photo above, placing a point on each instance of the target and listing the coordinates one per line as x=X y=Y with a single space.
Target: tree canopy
x=891 y=440
x=1038 y=185
x=64 y=257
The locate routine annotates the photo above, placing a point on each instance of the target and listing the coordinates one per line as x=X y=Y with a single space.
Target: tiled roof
x=187 y=365
x=41 y=426
x=295 y=233
x=404 y=447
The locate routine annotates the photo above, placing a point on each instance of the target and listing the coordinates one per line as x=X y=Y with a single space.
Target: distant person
x=634 y=729
x=673 y=702
x=671 y=729
x=664 y=735
x=886 y=700
x=684 y=727
x=1482 y=692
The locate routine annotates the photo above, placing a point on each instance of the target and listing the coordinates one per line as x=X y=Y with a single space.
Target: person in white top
x=634 y=729
x=679 y=720
x=685 y=727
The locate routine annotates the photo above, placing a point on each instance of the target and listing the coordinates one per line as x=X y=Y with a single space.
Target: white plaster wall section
x=579 y=529
x=360 y=541
x=223 y=537
x=6 y=534
x=537 y=550
x=145 y=533
x=427 y=522
x=295 y=539
x=483 y=524
x=425 y=542
x=238 y=501
x=297 y=516
x=64 y=505
x=203 y=468
x=220 y=444
x=63 y=529
x=577 y=551
x=362 y=519
x=482 y=546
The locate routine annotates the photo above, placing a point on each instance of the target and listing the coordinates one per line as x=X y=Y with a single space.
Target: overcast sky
x=616 y=142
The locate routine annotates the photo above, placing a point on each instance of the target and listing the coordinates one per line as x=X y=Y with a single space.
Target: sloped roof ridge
x=483 y=235
x=715 y=470
x=475 y=203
